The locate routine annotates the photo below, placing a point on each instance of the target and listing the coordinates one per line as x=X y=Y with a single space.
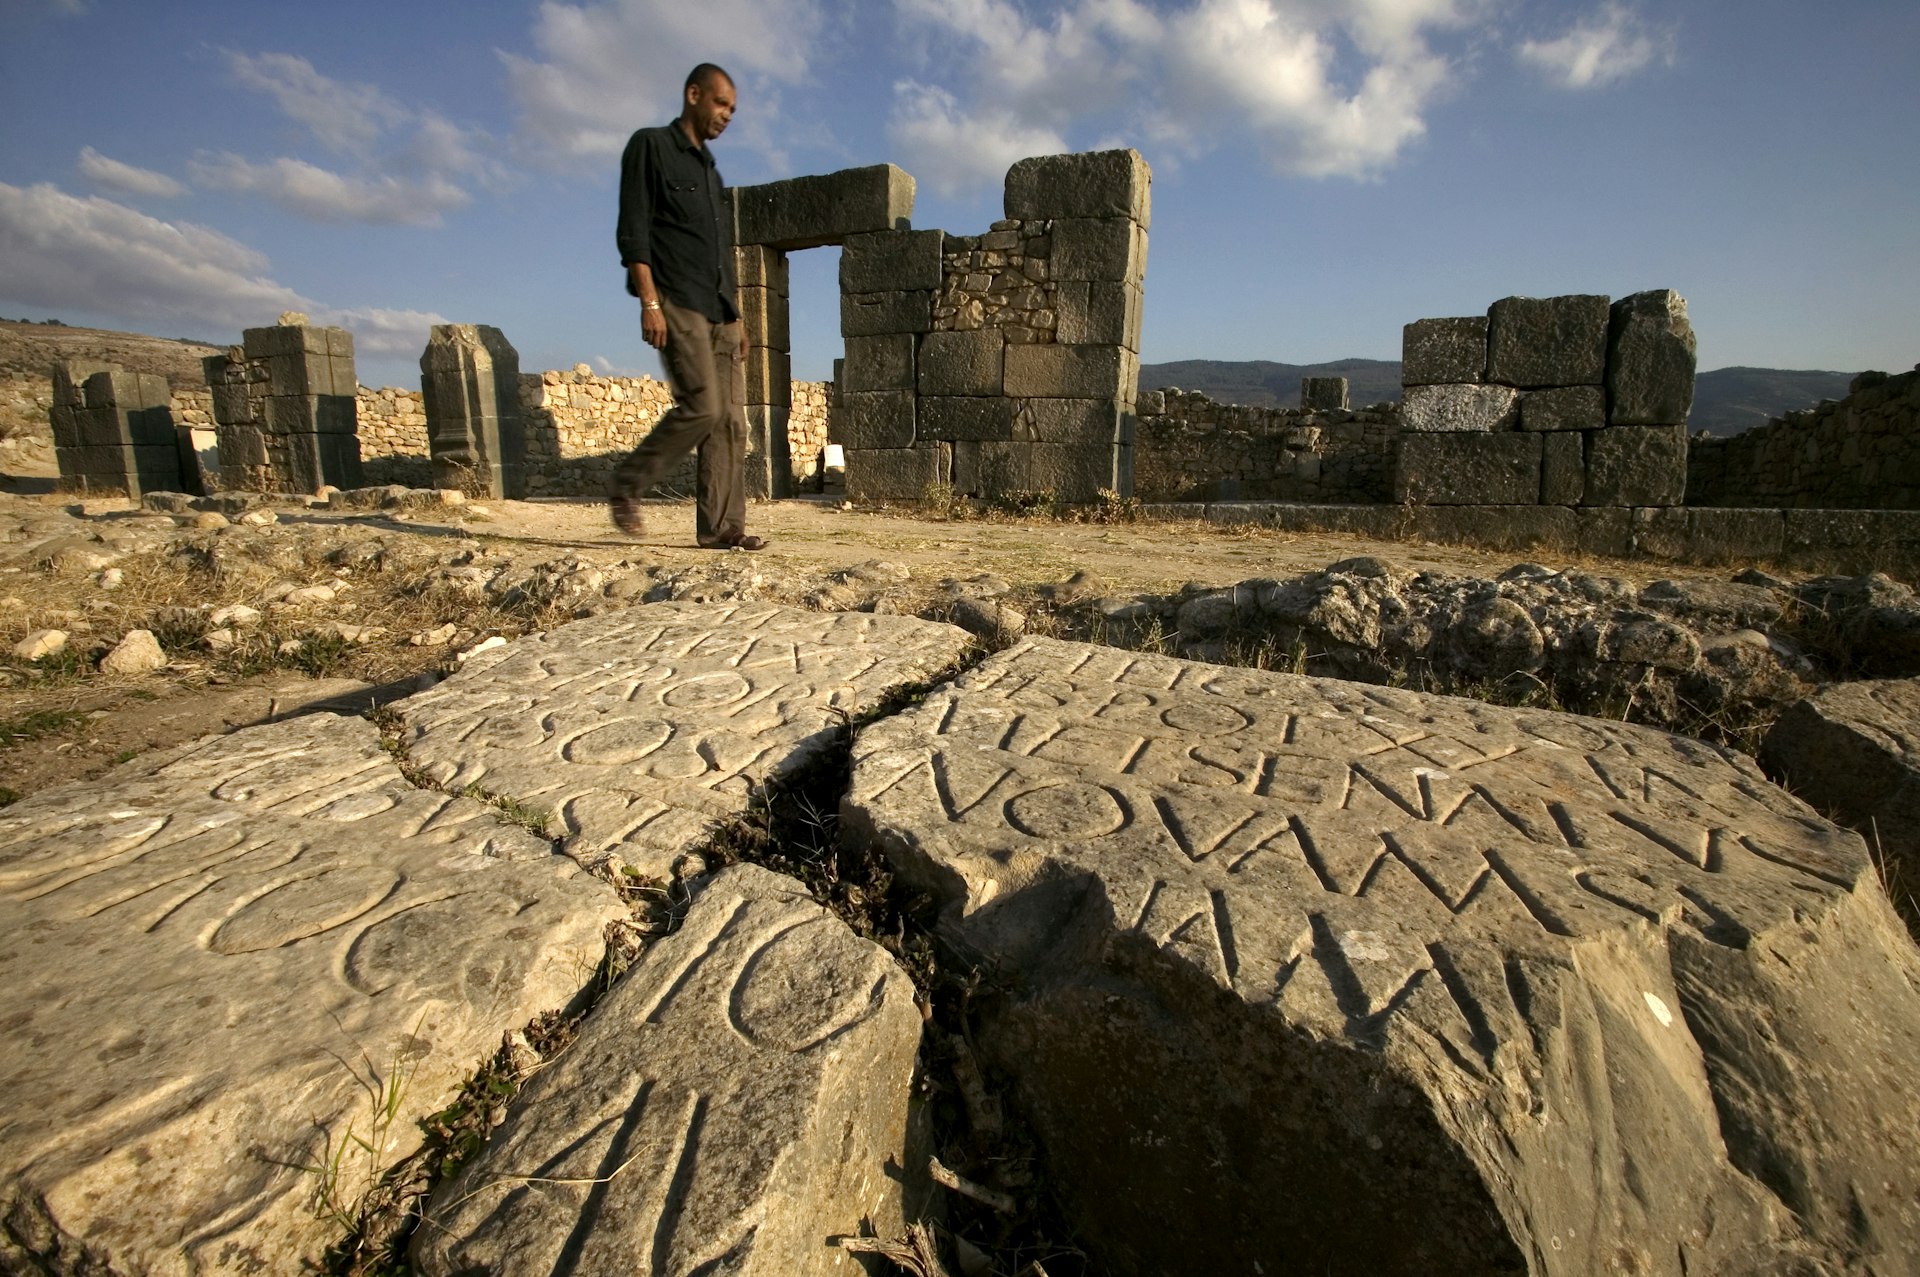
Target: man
x=676 y=242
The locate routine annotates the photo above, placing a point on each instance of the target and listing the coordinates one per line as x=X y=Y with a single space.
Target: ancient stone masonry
x=1006 y=362
x=1860 y=453
x=1549 y=401
x=223 y=961
x=393 y=437
x=1304 y=975
x=284 y=406
x=1190 y=448
x=470 y=385
x=113 y=430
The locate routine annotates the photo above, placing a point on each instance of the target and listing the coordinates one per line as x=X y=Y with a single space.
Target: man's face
x=711 y=107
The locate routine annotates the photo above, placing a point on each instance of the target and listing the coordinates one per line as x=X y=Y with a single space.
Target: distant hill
x=1726 y=401
x=33 y=349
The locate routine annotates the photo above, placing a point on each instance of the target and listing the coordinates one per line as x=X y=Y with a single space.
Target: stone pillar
x=470 y=385
x=284 y=408
x=762 y=274
x=113 y=430
x=888 y=281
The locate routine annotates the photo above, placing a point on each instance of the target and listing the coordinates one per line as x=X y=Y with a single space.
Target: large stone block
x=470 y=388
x=1564 y=408
x=1435 y=352
x=221 y=958
x=769 y=375
x=807 y=212
x=764 y=312
x=1070 y=472
x=70 y=377
x=955 y=417
x=891 y=261
x=1098 y=248
x=1465 y=468
x=641 y=727
x=1563 y=468
x=1075 y=421
x=1513 y=972
x=1072 y=372
x=1098 y=312
x=750 y=1075
x=1426 y=409
x=1323 y=394
x=1650 y=360
x=757 y=266
x=898 y=474
x=883 y=362
x=963 y=363
x=1735 y=536
x=1547 y=341
x=1086 y=184
x=769 y=463
x=873 y=314
x=1637 y=465
x=877 y=419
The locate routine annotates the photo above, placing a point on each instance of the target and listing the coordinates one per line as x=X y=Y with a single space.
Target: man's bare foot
x=626 y=515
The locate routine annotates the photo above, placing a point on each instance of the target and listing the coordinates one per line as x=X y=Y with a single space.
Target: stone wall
x=1857 y=453
x=1190 y=448
x=393 y=437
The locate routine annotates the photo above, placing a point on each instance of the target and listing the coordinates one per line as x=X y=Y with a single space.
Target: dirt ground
x=77 y=728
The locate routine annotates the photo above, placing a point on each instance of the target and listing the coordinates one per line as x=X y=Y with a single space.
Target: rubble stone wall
x=1190 y=448
x=1857 y=453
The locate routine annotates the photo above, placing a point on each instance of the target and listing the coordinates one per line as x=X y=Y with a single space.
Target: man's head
x=706 y=103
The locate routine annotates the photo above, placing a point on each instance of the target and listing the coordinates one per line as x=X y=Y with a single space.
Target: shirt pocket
x=685 y=200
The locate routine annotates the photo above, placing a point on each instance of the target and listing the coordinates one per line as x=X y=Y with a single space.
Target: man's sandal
x=626 y=515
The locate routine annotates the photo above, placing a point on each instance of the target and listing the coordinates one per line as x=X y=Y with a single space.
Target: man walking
x=676 y=242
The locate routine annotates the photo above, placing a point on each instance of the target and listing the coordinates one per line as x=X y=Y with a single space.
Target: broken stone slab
x=1637 y=466
x=737 y=1101
x=1853 y=749
x=1084 y=184
x=640 y=728
x=1334 y=978
x=221 y=961
x=1442 y=351
x=1428 y=409
x=807 y=212
x=1650 y=360
x=1467 y=468
x=1547 y=341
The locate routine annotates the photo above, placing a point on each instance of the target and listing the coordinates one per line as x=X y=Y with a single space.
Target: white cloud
x=406 y=167
x=954 y=151
x=1323 y=89
x=125 y=178
x=607 y=67
x=94 y=255
x=326 y=196
x=1606 y=46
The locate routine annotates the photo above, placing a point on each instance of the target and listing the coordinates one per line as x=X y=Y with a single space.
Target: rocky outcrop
x=238 y=974
x=735 y=1103
x=1311 y=976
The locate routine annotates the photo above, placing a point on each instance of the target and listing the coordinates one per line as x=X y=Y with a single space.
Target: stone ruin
x=999 y=363
x=283 y=407
x=113 y=430
x=1549 y=401
x=470 y=382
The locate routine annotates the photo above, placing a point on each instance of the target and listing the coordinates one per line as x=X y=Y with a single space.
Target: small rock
x=218 y=640
x=111 y=579
x=308 y=595
x=258 y=518
x=235 y=614
x=440 y=636
x=40 y=643
x=485 y=645
x=138 y=653
x=988 y=619
x=207 y=520
x=290 y=647
x=355 y=634
x=876 y=572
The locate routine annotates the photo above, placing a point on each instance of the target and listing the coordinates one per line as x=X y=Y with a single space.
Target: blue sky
x=1324 y=170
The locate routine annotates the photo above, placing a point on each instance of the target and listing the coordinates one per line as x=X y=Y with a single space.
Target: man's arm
x=633 y=232
x=653 y=323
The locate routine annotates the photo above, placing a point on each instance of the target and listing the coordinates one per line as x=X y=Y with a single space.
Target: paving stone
x=1564 y=408
x=1407 y=984
x=963 y=363
x=639 y=728
x=211 y=955
x=1637 y=466
x=1443 y=351
x=749 y=1078
x=807 y=212
x=1467 y=468
x=1853 y=749
x=1086 y=184
x=1650 y=360
x=1458 y=408
x=1547 y=341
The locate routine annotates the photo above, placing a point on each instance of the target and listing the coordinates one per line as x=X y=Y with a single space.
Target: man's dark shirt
x=674 y=217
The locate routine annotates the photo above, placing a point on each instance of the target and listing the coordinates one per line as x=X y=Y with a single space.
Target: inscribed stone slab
x=749 y=1078
x=1408 y=984
x=639 y=728
x=210 y=955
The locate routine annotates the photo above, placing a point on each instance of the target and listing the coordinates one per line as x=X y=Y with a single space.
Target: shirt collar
x=680 y=140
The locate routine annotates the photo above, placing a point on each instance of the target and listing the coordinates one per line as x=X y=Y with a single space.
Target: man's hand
x=653 y=323
x=653 y=327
